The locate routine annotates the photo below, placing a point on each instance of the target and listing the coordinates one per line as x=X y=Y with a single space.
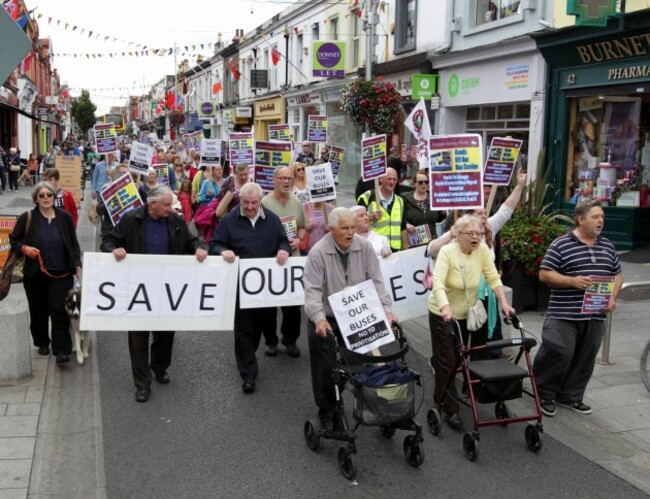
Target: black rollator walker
x=384 y=396
x=493 y=381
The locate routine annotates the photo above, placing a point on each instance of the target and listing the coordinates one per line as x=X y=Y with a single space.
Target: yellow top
x=448 y=287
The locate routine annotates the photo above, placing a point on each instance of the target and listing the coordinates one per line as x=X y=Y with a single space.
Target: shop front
x=598 y=119
x=268 y=112
x=495 y=92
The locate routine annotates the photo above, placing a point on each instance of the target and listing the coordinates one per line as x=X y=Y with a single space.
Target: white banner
x=157 y=293
x=265 y=283
x=361 y=317
x=320 y=182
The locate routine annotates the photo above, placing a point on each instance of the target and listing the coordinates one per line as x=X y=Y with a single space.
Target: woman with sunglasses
x=300 y=183
x=417 y=210
x=46 y=236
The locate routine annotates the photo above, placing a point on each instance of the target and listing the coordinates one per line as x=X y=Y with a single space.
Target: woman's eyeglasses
x=45 y=195
x=423 y=182
x=473 y=233
x=300 y=169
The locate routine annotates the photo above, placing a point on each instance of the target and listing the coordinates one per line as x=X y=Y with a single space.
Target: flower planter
x=528 y=293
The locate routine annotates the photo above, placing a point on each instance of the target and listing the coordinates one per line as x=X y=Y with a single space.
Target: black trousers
x=3 y=178
x=322 y=356
x=13 y=180
x=443 y=344
x=290 y=327
x=45 y=297
x=161 y=355
x=249 y=324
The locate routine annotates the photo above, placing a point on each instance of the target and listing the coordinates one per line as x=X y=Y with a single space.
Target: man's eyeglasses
x=423 y=182
x=285 y=179
x=592 y=255
x=45 y=195
x=473 y=233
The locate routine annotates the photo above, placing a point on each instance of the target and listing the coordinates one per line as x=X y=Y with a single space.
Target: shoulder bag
x=427 y=280
x=13 y=259
x=476 y=314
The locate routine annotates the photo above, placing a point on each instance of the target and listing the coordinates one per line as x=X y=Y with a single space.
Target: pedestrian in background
x=47 y=237
x=13 y=165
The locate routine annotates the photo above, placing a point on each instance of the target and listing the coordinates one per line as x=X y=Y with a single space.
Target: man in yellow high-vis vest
x=387 y=215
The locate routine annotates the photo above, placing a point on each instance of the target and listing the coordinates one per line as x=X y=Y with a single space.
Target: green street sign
x=424 y=86
x=591 y=12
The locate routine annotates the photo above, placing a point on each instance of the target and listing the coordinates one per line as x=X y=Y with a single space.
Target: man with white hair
x=250 y=231
x=153 y=229
x=339 y=260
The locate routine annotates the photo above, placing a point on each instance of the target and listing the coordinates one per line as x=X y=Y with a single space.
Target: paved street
x=201 y=437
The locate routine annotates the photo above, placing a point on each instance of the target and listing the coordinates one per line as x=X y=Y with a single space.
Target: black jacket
x=65 y=225
x=130 y=234
x=415 y=216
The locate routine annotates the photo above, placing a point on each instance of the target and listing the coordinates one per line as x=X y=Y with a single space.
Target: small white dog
x=80 y=339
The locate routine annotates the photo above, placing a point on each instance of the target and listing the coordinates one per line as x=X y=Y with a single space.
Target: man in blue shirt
x=572 y=333
x=100 y=174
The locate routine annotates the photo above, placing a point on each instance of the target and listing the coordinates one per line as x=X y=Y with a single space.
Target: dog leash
x=44 y=270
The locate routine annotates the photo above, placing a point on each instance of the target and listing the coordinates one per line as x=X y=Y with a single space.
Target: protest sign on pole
x=598 y=294
x=120 y=197
x=242 y=148
x=280 y=132
x=264 y=177
x=336 y=158
x=141 y=158
x=361 y=318
x=374 y=161
x=501 y=160
x=456 y=164
x=210 y=152
x=70 y=175
x=265 y=283
x=421 y=235
x=196 y=138
x=317 y=128
x=320 y=182
x=7 y=224
x=418 y=123
x=157 y=292
x=187 y=141
x=162 y=173
x=273 y=154
x=105 y=138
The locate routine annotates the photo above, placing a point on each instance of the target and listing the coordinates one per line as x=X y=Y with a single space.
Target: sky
x=151 y=23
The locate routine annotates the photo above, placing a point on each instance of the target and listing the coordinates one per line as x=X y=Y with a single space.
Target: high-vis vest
x=389 y=224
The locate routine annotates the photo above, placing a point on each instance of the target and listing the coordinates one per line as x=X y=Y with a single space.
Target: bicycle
x=645 y=360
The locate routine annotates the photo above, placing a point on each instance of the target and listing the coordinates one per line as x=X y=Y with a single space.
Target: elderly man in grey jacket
x=337 y=261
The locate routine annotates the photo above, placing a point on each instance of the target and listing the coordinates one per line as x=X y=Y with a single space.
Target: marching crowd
x=221 y=211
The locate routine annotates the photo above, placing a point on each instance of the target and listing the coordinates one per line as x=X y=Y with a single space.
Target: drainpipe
x=449 y=16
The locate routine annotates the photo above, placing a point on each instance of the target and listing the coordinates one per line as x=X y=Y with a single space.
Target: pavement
x=37 y=427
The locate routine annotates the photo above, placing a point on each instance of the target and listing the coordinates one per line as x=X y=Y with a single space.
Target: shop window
x=506 y=112
x=488 y=11
x=405 y=25
x=473 y=113
x=488 y=113
x=334 y=28
x=522 y=111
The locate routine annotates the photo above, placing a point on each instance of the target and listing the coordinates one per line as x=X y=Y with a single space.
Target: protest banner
x=361 y=318
x=196 y=138
x=264 y=177
x=418 y=123
x=210 y=152
x=273 y=154
x=120 y=197
x=598 y=294
x=7 y=224
x=265 y=283
x=456 y=163
x=157 y=292
x=320 y=182
x=290 y=225
x=268 y=285
x=241 y=148
x=501 y=160
x=336 y=158
x=421 y=235
x=187 y=141
x=105 y=138
x=280 y=132
x=374 y=161
x=317 y=128
x=70 y=175
x=162 y=173
x=141 y=158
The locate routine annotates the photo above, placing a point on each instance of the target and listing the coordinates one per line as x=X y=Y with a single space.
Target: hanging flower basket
x=176 y=118
x=371 y=103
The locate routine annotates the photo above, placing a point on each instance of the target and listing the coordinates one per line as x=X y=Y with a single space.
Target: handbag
x=222 y=209
x=476 y=314
x=14 y=168
x=9 y=266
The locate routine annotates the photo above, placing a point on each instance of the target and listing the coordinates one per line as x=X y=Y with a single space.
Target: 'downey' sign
x=361 y=317
x=157 y=293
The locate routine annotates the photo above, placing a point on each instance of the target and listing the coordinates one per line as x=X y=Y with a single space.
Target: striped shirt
x=570 y=256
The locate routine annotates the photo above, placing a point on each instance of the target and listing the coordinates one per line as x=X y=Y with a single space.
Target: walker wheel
x=434 y=421
x=311 y=438
x=413 y=451
x=346 y=464
x=533 y=439
x=470 y=446
x=388 y=431
x=501 y=412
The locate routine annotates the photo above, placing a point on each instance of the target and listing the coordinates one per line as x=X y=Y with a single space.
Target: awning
x=25 y=113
